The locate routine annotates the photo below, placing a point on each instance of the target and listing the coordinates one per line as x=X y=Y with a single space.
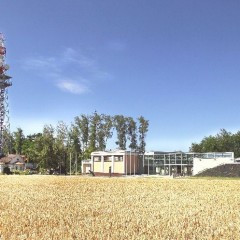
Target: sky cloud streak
x=72 y=87
x=72 y=71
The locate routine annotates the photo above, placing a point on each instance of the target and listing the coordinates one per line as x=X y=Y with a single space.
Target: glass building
x=175 y=163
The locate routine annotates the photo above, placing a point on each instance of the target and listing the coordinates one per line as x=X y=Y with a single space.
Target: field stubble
x=54 y=207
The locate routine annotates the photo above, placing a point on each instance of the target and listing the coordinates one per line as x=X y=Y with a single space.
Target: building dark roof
x=12 y=159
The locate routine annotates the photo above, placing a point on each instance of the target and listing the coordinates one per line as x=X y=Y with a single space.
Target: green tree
x=18 y=137
x=104 y=131
x=29 y=148
x=75 y=144
x=132 y=133
x=195 y=147
x=120 y=124
x=210 y=144
x=95 y=121
x=236 y=144
x=74 y=139
x=82 y=123
x=224 y=141
x=61 y=144
x=46 y=146
x=51 y=148
x=8 y=141
x=142 y=129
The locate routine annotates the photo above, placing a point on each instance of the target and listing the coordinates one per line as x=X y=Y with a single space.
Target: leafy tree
x=224 y=141
x=195 y=147
x=120 y=125
x=95 y=121
x=82 y=123
x=236 y=143
x=38 y=146
x=104 y=131
x=75 y=144
x=46 y=147
x=208 y=144
x=29 y=147
x=132 y=133
x=61 y=144
x=142 y=129
x=7 y=142
x=18 y=140
x=74 y=139
x=88 y=133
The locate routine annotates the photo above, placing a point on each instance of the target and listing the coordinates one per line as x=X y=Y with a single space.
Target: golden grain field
x=59 y=207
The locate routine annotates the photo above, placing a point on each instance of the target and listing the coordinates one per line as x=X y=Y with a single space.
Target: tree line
x=53 y=146
x=223 y=141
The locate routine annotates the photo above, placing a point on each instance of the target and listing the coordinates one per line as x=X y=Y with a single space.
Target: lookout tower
x=5 y=82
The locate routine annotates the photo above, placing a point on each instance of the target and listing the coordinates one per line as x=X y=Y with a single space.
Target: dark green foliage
x=82 y=124
x=18 y=140
x=95 y=121
x=47 y=150
x=132 y=133
x=29 y=148
x=222 y=142
x=120 y=124
x=7 y=171
x=56 y=145
x=143 y=129
x=7 y=143
x=104 y=131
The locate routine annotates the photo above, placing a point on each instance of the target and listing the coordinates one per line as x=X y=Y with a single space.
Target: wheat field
x=63 y=207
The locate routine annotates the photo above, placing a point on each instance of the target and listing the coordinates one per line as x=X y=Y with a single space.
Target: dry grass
x=51 y=207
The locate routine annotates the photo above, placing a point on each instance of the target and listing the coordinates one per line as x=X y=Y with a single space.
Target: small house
x=13 y=161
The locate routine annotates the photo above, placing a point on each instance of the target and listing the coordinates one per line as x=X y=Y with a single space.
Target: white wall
x=201 y=164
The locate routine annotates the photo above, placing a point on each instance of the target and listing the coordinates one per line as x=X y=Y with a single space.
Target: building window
x=118 y=158
x=107 y=158
x=97 y=159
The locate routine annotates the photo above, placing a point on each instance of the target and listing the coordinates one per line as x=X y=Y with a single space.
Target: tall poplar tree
x=62 y=144
x=95 y=121
x=75 y=147
x=142 y=129
x=82 y=122
x=46 y=145
x=120 y=125
x=18 y=137
x=8 y=142
x=132 y=133
x=104 y=131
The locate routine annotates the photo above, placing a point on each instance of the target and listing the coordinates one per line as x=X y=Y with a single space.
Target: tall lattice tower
x=5 y=82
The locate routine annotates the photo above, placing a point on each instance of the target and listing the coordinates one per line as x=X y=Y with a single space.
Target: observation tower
x=5 y=82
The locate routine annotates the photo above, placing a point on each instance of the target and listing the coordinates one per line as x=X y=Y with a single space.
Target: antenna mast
x=4 y=83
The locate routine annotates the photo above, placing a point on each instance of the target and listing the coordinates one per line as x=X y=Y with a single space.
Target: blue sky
x=174 y=62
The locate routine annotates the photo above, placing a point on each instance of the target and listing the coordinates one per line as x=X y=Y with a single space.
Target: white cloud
x=71 y=70
x=72 y=56
x=41 y=63
x=72 y=87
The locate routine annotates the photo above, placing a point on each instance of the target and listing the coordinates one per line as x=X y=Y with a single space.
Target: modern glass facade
x=155 y=162
x=174 y=163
